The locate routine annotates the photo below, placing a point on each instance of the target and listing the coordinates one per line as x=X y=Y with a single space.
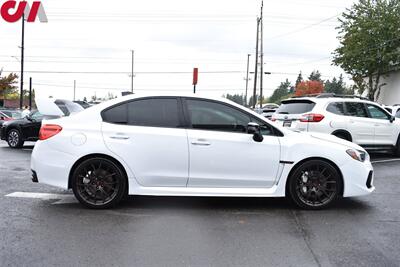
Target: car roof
x=330 y=99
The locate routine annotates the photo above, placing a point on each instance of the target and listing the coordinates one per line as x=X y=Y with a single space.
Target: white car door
x=147 y=135
x=221 y=152
x=386 y=132
x=359 y=124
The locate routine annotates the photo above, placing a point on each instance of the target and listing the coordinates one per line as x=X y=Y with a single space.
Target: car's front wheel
x=14 y=139
x=99 y=183
x=315 y=184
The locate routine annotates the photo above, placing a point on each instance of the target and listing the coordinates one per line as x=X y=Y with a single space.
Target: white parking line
x=386 y=160
x=62 y=198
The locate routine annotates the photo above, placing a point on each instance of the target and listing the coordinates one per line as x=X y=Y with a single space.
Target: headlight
x=357 y=154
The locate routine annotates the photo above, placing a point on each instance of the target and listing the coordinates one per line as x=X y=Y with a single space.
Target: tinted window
x=161 y=112
x=118 y=114
x=336 y=108
x=208 y=115
x=295 y=107
x=36 y=116
x=377 y=113
x=356 y=109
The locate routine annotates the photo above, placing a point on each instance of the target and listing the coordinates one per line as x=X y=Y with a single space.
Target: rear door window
x=356 y=109
x=158 y=112
x=295 y=107
x=336 y=108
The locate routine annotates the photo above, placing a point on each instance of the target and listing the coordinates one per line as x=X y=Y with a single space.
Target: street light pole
x=21 y=97
x=256 y=71
x=133 y=60
x=247 y=79
x=74 y=89
x=262 y=56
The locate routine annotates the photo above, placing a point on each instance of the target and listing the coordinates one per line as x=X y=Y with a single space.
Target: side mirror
x=392 y=119
x=254 y=129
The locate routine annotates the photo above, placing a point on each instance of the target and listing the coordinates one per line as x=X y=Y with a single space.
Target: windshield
x=12 y=114
x=68 y=107
x=295 y=107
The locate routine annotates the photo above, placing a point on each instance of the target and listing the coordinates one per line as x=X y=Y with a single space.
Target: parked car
x=348 y=117
x=16 y=132
x=8 y=115
x=394 y=110
x=188 y=145
x=83 y=104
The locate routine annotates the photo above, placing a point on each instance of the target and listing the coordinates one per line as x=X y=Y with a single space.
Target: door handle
x=120 y=137
x=201 y=142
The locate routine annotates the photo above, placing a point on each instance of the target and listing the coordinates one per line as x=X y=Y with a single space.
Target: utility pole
x=133 y=61
x=262 y=56
x=74 y=89
x=247 y=79
x=21 y=96
x=256 y=70
x=30 y=93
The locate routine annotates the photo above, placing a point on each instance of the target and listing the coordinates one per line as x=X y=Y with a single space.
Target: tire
x=99 y=183
x=343 y=135
x=315 y=184
x=14 y=139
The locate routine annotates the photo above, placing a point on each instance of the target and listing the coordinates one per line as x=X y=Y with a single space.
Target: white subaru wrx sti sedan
x=188 y=145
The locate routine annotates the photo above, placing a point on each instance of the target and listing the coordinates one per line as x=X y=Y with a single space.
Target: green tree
x=369 y=43
x=315 y=76
x=299 y=79
x=239 y=99
x=336 y=86
x=281 y=92
x=8 y=85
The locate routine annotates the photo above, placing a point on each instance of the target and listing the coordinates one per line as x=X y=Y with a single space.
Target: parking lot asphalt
x=190 y=231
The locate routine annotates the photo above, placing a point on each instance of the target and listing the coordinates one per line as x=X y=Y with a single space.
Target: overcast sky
x=171 y=36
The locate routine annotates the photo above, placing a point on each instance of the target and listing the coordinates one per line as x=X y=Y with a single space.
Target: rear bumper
x=51 y=166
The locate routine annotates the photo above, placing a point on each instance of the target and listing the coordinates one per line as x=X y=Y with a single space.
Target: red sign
x=195 y=76
x=11 y=12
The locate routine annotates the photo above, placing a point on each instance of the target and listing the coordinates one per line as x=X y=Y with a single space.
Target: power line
x=303 y=28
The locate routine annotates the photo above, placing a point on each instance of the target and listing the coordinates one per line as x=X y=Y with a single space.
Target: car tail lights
x=312 y=117
x=49 y=130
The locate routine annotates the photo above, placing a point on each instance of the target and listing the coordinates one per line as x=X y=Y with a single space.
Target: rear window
x=336 y=108
x=295 y=107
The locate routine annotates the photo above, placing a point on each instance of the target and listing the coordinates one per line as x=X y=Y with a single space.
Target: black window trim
x=182 y=121
x=188 y=125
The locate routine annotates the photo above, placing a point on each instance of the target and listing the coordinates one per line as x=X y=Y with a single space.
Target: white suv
x=351 y=118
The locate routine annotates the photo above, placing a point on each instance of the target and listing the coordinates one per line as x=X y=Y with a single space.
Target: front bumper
x=358 y=178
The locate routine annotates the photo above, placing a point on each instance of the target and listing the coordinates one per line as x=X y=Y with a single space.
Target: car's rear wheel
x=315 y=184
x=343 y=135
x=99 y=183
x=14 y=139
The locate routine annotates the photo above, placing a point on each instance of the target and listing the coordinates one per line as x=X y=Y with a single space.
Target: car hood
x=332 y=139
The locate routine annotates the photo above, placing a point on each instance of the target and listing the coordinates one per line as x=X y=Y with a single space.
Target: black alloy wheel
x=14 y=139
x=99 y=183
x=315 y=184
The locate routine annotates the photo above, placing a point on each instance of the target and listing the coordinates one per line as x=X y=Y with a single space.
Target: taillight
x=312 y=118
x=49 y=130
